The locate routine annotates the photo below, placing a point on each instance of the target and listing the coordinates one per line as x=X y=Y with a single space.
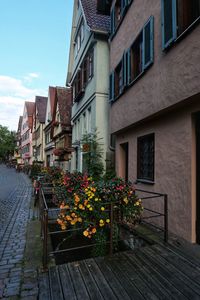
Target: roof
x=41 y=106
x=30 y=107
x=20 y=124
x=96 y=21
x=64 y=98
x=52 y=95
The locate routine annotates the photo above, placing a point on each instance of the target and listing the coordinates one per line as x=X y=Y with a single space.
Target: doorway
x=124 y=161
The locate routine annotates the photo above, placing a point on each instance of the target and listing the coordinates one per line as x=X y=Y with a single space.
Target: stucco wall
x=174 y=165
x=174 y=76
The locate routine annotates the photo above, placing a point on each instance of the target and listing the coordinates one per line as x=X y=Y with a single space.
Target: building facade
x=26 y=132
x=88 y=74
x=49 y=144
x=38 y=131
x=155 y=103
x=61 y=130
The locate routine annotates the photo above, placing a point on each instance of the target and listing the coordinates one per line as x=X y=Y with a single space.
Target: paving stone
x=32 y=292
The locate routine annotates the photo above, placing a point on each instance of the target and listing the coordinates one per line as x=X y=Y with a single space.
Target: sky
x=34 y=50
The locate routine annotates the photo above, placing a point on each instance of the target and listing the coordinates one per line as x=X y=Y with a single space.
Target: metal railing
x=154 y=213
x=115 y=216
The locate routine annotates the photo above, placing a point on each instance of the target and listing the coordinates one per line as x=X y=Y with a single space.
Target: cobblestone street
x=16 y=281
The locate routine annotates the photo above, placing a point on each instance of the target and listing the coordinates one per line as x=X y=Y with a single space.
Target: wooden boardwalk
x=151 y=272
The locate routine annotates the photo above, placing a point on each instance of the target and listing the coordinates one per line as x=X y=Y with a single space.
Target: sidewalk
x=18 y=267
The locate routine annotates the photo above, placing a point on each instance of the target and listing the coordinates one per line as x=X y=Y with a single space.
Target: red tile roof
x=96 y=21
x=41 y=106
x=30 y=107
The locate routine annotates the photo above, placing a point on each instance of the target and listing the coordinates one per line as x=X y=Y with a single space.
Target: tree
x=92 y=156
x=7 y=142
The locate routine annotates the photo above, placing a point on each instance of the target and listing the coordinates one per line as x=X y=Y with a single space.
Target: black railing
x=152 y=213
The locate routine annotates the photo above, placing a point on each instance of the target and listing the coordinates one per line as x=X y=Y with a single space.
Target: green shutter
x=112 y=21
x=128 y=60
x=169 y=22
x=148 y=43
x=111 y=87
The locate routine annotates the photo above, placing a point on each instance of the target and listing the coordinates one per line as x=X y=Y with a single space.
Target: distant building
x=26 y=132
x=49 y=144
x=61 y=130
x=18 y=149
x=88 y=75
x=38 y=131
x=155 y=103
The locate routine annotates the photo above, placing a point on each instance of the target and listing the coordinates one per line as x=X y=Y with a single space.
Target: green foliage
x=7 y=142
x=92 y=157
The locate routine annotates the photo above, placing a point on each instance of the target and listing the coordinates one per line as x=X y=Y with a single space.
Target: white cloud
x=13 y=94
x=33 y=75
x=30 y=77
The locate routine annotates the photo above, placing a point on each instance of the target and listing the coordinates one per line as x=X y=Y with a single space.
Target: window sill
x=145 y=181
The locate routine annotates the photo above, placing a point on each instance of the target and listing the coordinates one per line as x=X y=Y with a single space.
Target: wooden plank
x=55 y=285
x=180 y=262
x=189 y=289
x=44 y=289
x=88 y=278
x=78 y=282
x=186 y=253
x=160 y=276
x=132 y=275
x=66 y=282
x=103 y=285
x=156 y=282
x=130 y=288
x=110 y=277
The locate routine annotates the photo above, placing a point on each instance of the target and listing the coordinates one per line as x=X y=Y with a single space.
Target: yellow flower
x=73 y=222
x=102 y=208
x=85 y=233
x=90 y=208
x=80 y=219
x=101 y=221
x=96 y=199
x=107 y=220
x=73 y=214
x=63 y=226
x=125 y=200
x=137 y=203
x=81 y=206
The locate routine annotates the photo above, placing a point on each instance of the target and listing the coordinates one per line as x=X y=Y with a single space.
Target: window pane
x=168 y=22
x=146 y=157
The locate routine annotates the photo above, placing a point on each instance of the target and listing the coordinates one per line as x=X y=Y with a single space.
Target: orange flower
x=94 y=230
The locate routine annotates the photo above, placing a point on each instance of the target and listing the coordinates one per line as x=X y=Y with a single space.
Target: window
x=117 y=13
x=83 y=76
x=119 y=79
x=134 y=61
x=140 y=54
x=177 y=17
x=89 y=121
x=145 y=157
x=79 y=38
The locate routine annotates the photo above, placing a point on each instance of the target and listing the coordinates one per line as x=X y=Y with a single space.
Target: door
x=198 y=178
x=124 y=161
